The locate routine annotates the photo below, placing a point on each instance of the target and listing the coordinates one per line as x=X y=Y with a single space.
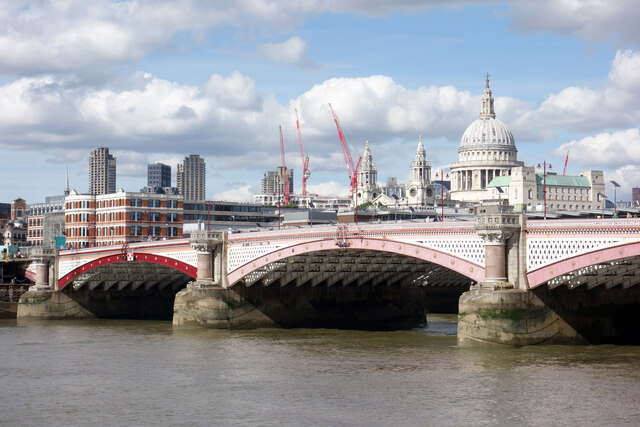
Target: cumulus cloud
x=616 y=104
x=290 y=52
x=610 y=150
x=330 y=188
x=591 y=20
x=617 y=151
x=241 y=194
x=52 y=36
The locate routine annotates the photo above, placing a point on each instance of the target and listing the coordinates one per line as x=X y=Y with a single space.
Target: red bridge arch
x=460 y=265
x=543 y=274
x=183 y=267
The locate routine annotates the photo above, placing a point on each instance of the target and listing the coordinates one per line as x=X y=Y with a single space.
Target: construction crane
x=566 y=160
x=284 y=171
x=305 y=159
x=352 y=171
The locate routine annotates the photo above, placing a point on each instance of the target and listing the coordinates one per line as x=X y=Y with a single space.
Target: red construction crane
x=305 y=160
x=351 y=170
x=284 y=170
x=564 y=171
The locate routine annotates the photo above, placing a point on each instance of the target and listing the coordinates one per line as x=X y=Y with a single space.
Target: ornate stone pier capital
x=205 y=241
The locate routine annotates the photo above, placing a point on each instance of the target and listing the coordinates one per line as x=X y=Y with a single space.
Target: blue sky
x=156 y=81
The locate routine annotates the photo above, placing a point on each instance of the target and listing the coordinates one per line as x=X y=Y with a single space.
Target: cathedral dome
x=487 y=131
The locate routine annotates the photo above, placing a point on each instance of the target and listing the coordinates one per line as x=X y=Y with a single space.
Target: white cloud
x=609 y=150
x=591 y=20
x=54 y=36
x=51 y=36
x=614 y=105
x=241 y=194
x=617 y=151
x=331 y=188
x=290 y=52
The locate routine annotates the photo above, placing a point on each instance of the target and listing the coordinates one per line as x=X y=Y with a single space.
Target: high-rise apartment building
x=273 y=181
x=158 y=175
x=635 y=197
x=102 y=172
x=191 y=178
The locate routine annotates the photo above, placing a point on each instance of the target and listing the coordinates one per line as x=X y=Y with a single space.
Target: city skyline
x=220 y=78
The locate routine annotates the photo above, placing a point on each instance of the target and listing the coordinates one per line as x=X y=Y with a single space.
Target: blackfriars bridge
x=512 y=281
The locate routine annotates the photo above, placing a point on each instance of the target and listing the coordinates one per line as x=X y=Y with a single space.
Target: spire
x=66 y=184
x=366 y=164
x=487 y=101
x=421 y=156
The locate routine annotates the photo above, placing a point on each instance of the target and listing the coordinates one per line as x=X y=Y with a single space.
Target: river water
x=138 y=373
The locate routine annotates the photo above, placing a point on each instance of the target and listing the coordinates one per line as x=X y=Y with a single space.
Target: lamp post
x=208 y=205
x=604 y=198
x=148 y=225
x=442 y=192
x=615 y=205
x=544 y=186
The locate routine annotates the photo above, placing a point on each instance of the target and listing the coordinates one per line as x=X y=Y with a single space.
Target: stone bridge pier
x=501 y=309
x=42 y=301
x=208 y=302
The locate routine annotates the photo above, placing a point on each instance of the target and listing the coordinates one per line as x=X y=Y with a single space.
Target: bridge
x=535 y=281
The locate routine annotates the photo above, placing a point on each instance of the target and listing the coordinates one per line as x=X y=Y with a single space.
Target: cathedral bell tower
x=420 y=191
x=367 y=188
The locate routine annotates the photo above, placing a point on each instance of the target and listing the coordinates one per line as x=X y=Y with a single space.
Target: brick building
x=122 y=217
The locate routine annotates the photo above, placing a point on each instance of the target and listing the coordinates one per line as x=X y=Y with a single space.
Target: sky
x=156 y=81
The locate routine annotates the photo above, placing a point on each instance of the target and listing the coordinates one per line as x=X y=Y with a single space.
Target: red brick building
x=122 y=217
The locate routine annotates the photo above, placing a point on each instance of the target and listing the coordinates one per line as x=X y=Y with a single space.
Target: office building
x=158 y=175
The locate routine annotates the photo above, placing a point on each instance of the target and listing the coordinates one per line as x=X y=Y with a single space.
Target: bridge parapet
x=549 y=242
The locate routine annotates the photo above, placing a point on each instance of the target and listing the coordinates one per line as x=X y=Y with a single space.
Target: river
x=139 y=373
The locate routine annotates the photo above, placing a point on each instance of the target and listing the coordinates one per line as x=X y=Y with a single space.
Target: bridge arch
x=563 y=269
x=171 y=263
x=466 y=268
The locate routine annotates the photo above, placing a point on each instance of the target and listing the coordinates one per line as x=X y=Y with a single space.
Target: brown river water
x=139 y=373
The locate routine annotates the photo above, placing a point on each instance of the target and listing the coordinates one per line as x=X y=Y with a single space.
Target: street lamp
x=500 y=192
x=442 y=192
x=396 y=207
x=604 y=198
x=544 y=185
x=208 y=205
x=615 y=205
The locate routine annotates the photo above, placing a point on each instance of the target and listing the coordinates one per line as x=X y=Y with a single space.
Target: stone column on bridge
x=43 y=301
x=495 y=311
x=207 y=302
x=495 y=229
x=209 y=246
x=44 y=261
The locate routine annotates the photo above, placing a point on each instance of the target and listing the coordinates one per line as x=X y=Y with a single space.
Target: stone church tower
x=367 y=188
x=420 y=191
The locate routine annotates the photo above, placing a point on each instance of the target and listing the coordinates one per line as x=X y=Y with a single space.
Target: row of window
x=35 y=222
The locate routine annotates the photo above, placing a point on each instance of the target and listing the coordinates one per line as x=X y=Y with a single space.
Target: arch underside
x=132 y=276
x=354 y=267
x=609 y=267
x=623 y=272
